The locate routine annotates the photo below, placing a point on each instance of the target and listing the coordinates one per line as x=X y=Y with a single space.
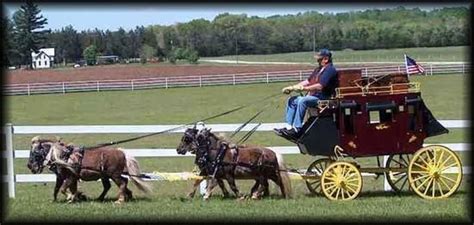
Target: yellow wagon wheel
x=314 y=172
x=341 y=181
x=397 y=178
x=435 y=172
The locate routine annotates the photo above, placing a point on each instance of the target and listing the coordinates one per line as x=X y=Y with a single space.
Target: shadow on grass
x=373 y=194
x=381 y=193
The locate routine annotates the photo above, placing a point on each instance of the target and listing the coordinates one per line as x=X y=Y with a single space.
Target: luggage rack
x=398 y=88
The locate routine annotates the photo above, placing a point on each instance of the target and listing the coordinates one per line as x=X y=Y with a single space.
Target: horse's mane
x=222 y=137
x=41 y=140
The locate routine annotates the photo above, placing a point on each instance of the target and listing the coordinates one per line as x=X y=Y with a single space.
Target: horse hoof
x=255 y=197
x=118 y=202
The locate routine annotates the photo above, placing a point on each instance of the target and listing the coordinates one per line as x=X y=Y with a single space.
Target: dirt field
x=116 y=72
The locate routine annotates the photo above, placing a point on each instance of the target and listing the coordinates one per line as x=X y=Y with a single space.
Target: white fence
x=206 y=80
x=10 y=154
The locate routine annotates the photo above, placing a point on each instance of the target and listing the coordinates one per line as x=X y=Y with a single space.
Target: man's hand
x=287 y=90
x=298 y=88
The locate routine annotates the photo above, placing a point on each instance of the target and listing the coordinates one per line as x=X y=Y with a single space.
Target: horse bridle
x=190 y=138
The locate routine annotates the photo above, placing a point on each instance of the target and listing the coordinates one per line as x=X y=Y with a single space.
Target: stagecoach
x=381 y=116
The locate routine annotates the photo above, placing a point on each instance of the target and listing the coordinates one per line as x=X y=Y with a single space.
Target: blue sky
x=112 y=16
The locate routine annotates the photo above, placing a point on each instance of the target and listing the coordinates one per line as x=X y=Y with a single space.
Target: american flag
x=413 y=67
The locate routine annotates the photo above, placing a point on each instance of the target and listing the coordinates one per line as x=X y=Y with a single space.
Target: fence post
x=301 y=75
x=98 y=89
x=431 y=69
x=28 y=89
x=64 y=88
x=8 y=132
x=233 y=79
x=399 y=69
x=366 y=74
x=463 y=68
x=131 y=82
x=386 y=185
x=166 y=82
x=200 y=81
x=267 y=78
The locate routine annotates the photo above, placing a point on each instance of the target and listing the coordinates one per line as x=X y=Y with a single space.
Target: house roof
x=48 y=51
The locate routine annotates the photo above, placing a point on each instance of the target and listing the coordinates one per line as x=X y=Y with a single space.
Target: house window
x=39 y=63
x=46 y=63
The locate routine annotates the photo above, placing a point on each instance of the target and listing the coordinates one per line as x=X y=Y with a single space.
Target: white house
x=43 y=59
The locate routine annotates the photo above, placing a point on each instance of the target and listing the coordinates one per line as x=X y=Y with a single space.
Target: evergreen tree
x=29 y=32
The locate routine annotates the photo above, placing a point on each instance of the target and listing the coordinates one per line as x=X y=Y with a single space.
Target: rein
x=182 y=126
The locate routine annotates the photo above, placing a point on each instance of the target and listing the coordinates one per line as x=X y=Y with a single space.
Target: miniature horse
x=187 y=144
x=91 y=165
x=253 y=162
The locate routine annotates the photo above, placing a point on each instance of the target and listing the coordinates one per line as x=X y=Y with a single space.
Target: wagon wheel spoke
x=421 y=166
x=400 y=178
x=398 y=173
x=405 y=161
x=353 y=184
x=420 y=177
x=338 y=191
x=350 y=189
x=444 y=183
x=399 y=163
x=428 y=186
x=440 y=188
x=335 y=189
x=447 y=178
x=445 y=161
x=455 y=164
x=440 y=159
x=404 y=182
x=422 y=183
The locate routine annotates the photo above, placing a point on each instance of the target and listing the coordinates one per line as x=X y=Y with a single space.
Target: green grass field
x=458 y=53
x=445 y=95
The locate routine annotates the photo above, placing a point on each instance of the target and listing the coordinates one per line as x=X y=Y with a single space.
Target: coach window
x=380 y=112
x=348 y=111
x=412 y=108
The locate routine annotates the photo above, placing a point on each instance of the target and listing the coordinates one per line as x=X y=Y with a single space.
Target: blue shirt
x=328 y=79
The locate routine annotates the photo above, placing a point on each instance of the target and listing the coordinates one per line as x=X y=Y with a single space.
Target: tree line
x=230 y=34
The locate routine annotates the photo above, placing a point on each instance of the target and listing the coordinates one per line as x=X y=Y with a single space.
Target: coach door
x=381 y=135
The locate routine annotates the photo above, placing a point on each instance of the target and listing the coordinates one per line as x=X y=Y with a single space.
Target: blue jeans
x=296 y=109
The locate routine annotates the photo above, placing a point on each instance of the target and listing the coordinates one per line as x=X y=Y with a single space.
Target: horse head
x=188 y=142
x=40 y=148
x=206 y=140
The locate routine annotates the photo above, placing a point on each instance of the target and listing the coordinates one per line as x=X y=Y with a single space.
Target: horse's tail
x=133 y=170
x=284 y=177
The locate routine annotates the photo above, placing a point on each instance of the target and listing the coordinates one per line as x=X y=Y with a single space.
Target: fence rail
x=206 y=80
x=10 y=154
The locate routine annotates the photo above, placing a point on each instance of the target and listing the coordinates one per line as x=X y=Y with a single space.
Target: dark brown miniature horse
x=100 y=163
x=245 y=162
x=187 y=144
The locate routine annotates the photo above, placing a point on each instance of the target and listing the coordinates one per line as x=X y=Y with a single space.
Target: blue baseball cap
x=324 y=53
